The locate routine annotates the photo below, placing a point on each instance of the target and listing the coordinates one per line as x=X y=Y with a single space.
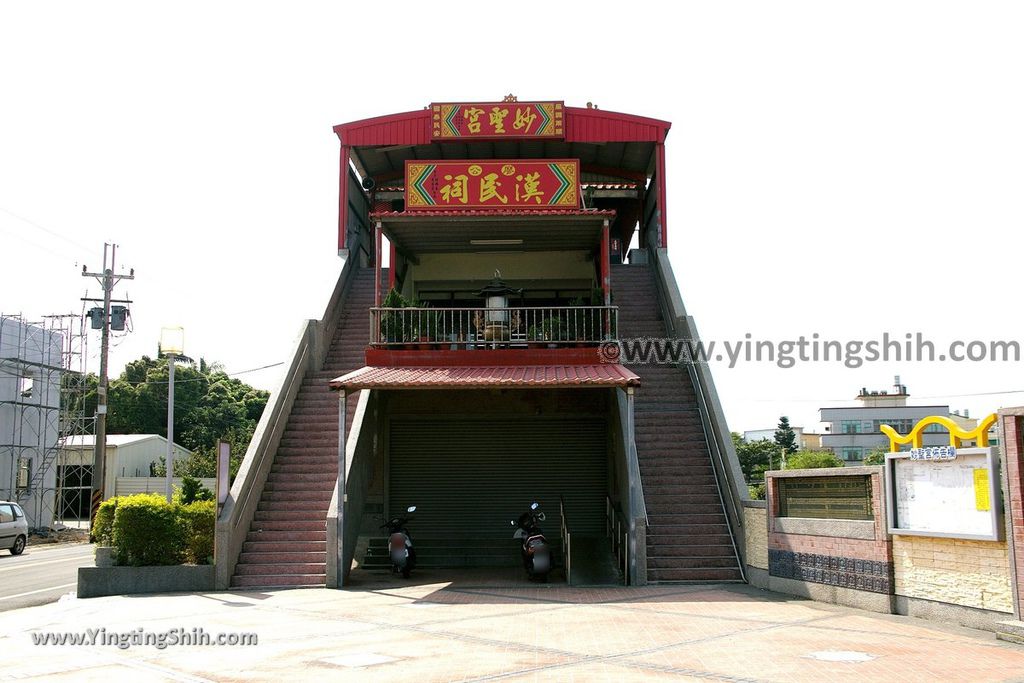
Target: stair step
x=288 y=485
x=278 y=580
x=320 y=496
x=663 y=550
x=284 y=546
x=302 y=505
x=262 y=534
x=695 y=574
x=308 y=523
x=653 y=481
x=311 y=478
x=700 y=501
x=319 y=516
x=698 y=522
x=325 y=459
x=278 y=558
x=325 y=470
x=726 y=561
x=281 y=568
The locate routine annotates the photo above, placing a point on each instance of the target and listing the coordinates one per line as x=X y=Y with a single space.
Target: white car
x=13 y=527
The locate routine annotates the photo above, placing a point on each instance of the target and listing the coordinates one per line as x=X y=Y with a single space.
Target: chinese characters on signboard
x=497 y=120
x=933 y=453
x=500 y=184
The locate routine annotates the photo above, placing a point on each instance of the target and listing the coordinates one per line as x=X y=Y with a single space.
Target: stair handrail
x=566 y=542
x=719 y=441
x=617 y=531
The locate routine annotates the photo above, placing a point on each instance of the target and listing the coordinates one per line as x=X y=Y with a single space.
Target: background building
x=854 y=431
x=503 y=217
x=128 y=456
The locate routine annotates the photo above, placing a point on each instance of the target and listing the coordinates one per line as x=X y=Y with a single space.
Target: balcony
x=481 y=328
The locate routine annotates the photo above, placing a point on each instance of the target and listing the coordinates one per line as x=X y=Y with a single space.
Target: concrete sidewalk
x=479 y=628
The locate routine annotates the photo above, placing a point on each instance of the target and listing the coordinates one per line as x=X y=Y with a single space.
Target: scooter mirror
x=411 y=508
x=534 y=506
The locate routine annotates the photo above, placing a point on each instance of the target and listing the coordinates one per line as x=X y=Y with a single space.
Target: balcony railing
x=473 y=328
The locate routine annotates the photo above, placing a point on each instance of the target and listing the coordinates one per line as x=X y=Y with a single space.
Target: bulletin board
x=954 y=498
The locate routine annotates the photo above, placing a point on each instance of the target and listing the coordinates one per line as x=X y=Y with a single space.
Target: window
x=851 y=426
x=6 y=513
x=901 y=425
x=18 y=512
x=24 y=473
x=853 y=454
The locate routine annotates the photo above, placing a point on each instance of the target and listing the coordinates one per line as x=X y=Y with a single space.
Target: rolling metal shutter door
x=469 y=477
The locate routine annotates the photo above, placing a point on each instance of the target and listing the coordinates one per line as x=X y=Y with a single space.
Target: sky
x=840 y=169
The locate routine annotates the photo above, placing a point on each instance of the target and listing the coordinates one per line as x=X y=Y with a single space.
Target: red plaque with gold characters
x=492 y=184
x=452 y=121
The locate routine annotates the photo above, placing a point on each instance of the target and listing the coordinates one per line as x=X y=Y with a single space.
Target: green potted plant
x=392 y=329
x=602 y=321
x=552 y=330
x=423 y=325
x=578 y=326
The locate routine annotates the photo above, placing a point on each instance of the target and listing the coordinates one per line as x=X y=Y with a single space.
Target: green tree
x=876 y=456
x=757 y=457
x=208 y=406
x=804 y=460
x=785 y=437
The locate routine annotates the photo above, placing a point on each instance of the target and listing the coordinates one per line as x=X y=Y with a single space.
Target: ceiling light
x=490 y=243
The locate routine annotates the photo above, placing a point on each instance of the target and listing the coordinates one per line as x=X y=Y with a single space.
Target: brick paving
x=486 y=627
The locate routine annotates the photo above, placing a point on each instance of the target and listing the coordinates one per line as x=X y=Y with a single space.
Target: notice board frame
x=996 y=525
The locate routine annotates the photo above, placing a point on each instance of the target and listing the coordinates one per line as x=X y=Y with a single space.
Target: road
x=41 y=574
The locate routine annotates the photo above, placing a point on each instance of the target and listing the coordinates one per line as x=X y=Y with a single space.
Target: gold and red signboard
x=452 y=121
x=492 y=184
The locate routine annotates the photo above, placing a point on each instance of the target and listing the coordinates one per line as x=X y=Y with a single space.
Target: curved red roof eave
x=581 y=125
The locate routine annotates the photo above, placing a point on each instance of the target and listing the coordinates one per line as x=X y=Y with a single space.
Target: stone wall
x=849 y=554
x=755 y=526
x=959 y=572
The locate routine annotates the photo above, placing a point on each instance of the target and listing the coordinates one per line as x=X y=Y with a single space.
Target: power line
x=62 y=254
x=46 y=230
x=204 y=377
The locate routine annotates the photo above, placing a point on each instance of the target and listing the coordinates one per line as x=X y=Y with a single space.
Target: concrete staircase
x=688 y=538
x=287 y=540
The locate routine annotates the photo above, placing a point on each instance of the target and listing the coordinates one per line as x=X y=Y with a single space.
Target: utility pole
x=107 y=280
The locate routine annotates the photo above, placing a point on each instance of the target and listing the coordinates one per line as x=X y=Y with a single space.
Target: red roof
x=581 y=125
x=601 y=375
x=447 y=213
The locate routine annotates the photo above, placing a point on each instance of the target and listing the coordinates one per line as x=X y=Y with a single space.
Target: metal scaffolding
x=42 y=408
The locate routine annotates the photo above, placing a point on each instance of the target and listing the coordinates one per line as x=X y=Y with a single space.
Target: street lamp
x=172 y=344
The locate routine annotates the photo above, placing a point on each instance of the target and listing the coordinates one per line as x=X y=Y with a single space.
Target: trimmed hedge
x=147 y=531
x=103 y=526
x=197 y=522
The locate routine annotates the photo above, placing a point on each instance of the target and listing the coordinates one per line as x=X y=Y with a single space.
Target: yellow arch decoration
x=956 y=433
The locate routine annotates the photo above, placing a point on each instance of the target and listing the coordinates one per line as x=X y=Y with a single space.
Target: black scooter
x=535 y=549
x=403 y=555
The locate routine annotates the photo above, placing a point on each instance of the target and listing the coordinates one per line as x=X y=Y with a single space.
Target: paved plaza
x=477 y=628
